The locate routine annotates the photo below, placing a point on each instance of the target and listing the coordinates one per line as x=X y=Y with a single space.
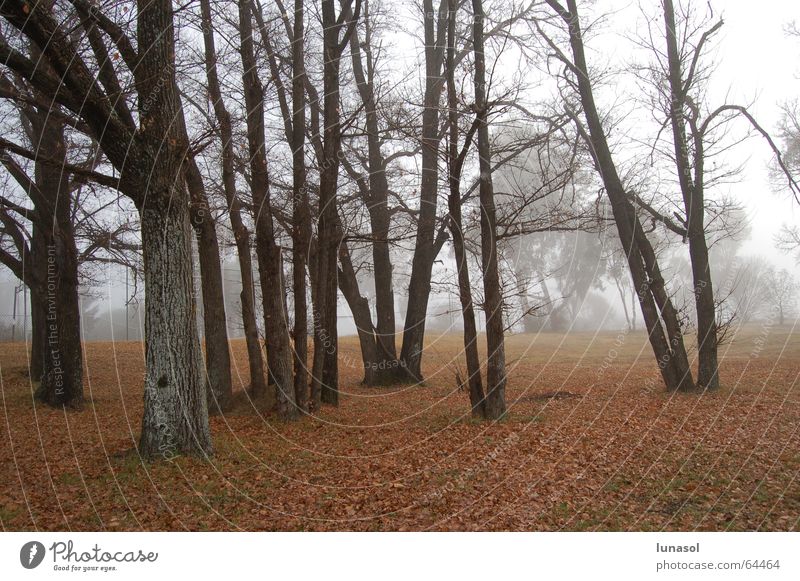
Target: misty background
x=570 y=280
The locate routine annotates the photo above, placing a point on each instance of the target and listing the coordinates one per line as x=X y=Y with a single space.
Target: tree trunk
x=300 y=212
x=656 y=307
x=474 y=382
x=218 y=358
x=694 y=206
x=362 y=317
x=495 y=405
x=377 y=201
x=419 y=287
x=328 y=231
x=678 y=357
x=62 y=362
x=258 y=386
x=279 y=351
x=175 y=417
x=62 y=373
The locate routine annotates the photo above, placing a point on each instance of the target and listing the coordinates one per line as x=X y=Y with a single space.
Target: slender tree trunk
x=362 y=317
x=495 y=405
x=474 y=382
x=678 y=357
x=279 y=351
x=300 y=212
x=694 y=206
x=377 y=200
x=218 y=358
x=653 y=299
x=241 y=234
x=419 y=287
x=624 y=300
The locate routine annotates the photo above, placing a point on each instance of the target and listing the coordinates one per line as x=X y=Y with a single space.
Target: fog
x=571 y=280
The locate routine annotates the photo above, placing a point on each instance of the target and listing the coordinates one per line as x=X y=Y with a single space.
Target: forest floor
x=591 y=442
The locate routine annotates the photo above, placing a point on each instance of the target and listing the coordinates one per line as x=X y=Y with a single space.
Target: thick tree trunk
x=62 y=362
x=218 y=359
x=175 y=417
x=495 y=405
x=258 y=386
x=62 y=373
x=419 y=287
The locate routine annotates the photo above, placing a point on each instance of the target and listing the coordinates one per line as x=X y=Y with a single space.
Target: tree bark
x=175 y=419
x=57 y=273
x=300 y=212
x=495 y=404
x=694 y=206
x=218 y=358
x=419 y=287
x=328 y=232
x=241 y=234
x=279 y=351
x=455 y=164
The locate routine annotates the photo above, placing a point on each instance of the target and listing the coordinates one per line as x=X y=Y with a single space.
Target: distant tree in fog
x=780 y=290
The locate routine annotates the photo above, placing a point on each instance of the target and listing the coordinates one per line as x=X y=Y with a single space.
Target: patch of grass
x=68 y=479
x=9 y=513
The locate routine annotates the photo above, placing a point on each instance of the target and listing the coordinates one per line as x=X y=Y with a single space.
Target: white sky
x=758 y=65
x=760 y=61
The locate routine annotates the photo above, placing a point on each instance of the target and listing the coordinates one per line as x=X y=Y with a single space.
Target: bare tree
x=456 y=157
x=48 y=262
x=325 y=380
x=780 y=293
x=241 y=234
x=495 y=405
x=150 y=157
x=375 y=189
x=660 y=316
x=434 y=27
x=279 y=351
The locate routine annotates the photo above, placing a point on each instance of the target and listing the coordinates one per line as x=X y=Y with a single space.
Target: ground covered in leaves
x=591 y=442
